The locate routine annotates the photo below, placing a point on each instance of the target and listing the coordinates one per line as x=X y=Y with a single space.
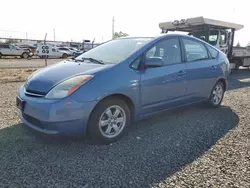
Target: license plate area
x=20 y=103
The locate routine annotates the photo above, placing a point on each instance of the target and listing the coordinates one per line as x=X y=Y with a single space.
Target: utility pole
x=113 y=26
x=26 y=35
x=54 y=34
x=46 y=63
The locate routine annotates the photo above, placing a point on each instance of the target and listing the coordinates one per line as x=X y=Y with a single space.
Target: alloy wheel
x=112 y=121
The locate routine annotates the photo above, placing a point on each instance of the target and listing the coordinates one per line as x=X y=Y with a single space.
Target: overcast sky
x=88 y=19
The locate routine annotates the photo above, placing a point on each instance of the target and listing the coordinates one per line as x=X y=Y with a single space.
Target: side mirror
x=153 y=62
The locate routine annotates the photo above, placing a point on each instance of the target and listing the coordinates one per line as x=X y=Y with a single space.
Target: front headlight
x=68 y=87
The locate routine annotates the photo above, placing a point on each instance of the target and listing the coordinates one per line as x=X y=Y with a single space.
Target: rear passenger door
x=201 y=69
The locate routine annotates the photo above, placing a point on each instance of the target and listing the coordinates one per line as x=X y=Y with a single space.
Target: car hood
x=43 y=80
x=25 y=49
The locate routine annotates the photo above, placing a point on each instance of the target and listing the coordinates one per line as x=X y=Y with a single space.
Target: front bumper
x=74 y=127
x=60 y=117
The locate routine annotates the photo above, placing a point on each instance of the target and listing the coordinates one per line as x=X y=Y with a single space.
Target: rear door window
x=194 y=50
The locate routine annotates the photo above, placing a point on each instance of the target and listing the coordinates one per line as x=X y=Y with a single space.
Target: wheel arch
x=223 y=81
x=123 y=97
x=25 y=53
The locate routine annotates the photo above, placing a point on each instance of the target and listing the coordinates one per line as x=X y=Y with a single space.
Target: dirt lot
x=26 y=63
x=189 y=147
x=15 y=75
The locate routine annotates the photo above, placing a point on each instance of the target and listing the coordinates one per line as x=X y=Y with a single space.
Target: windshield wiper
x=89 y=59
x=92 y=60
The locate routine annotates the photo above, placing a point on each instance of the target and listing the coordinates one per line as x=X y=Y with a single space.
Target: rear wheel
x=64 y=56
x=109 y=120
x=25 y=55
x=217 y=95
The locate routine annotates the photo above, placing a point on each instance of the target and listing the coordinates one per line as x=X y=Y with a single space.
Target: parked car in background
x=151 y=75
x=50 y=51
x=70 y=50
x=73 y=49
x=76 y=54
x=13 y=50
x=29 y=47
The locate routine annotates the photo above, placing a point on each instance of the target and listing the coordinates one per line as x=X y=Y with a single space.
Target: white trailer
x=47 y=50
x=218 y=33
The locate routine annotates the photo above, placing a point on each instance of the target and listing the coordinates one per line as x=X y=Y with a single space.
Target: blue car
x=123 y=80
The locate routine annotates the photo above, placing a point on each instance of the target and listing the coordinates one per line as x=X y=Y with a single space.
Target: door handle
x=181 y=73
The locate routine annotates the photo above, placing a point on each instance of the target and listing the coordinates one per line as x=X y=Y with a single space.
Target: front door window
x=168 y=50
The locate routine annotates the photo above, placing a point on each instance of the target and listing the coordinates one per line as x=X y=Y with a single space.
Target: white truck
x=217 y=33
x=48 y=50
x=13 y=50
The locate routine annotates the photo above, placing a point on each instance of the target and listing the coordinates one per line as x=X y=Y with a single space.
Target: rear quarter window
x=213 y=52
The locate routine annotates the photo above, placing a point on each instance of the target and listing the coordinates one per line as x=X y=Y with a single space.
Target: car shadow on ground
x=239 y=79
x=151 y=151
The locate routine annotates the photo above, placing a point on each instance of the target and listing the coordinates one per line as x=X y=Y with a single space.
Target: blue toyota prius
x=103 y=90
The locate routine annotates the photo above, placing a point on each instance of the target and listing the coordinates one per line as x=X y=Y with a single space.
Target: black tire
x=25 y=55
x=0 y=55
x=64 y=56
x=94 y=131
x=211 y=101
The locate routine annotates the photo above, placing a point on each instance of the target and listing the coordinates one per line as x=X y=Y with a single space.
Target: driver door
x=163 y=87
x=223 y=41
x=13 y=50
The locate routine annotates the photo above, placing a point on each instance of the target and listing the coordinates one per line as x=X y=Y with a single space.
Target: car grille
x=32 y=120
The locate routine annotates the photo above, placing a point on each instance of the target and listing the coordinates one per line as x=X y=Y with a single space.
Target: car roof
x=162 y=35
x=166 y=35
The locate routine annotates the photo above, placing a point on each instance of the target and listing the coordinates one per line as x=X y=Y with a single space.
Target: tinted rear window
x=4 y=46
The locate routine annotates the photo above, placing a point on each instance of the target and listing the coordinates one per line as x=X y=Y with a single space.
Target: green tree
x=119 y=34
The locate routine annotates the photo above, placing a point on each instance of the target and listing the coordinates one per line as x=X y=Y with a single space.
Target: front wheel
x=217 y=95
x=109 y=120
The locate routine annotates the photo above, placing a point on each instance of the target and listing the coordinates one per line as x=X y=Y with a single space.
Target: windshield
x=115 y=51
x=210 y=37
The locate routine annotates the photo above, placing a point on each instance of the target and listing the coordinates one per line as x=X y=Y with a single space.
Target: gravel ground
x=189 y=147
x=15 y=75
